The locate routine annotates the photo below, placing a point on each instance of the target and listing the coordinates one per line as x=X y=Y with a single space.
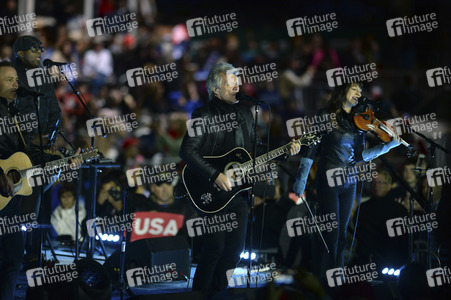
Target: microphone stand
x=252 y=199
x=122 y=283
x=41 y=205
x=432 y=147
x=92 y=171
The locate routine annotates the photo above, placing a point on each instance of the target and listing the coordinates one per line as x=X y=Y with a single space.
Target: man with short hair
x=11 y=243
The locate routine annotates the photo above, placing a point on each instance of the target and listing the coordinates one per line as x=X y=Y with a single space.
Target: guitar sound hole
x=14 y=175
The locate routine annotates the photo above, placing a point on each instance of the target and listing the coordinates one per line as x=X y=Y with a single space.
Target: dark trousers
x=339 y=200
x=221 y=250
x=11 y=253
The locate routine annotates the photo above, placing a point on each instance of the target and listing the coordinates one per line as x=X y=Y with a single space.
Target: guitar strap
x=23 y=141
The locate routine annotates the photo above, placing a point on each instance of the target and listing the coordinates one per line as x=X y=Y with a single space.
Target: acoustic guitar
x=237 y=164
x=19 y=168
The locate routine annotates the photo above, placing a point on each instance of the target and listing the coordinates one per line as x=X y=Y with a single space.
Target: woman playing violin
x=341 y=149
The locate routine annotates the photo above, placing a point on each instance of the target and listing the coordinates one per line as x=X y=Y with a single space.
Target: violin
x=366 y=121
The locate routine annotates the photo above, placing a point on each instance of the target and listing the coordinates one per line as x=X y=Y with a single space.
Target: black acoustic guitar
x=237 y=164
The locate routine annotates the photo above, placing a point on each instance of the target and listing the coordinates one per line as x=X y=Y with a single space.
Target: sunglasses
x=35 y=49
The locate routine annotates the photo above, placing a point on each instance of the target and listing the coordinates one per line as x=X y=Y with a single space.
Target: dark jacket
x=9 y=138
x=342 y=146
x=9 y=144
x=49 y=109
x=212 y=142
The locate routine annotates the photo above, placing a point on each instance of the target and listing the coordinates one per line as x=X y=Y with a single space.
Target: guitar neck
x=52 y=165
x=262 y=159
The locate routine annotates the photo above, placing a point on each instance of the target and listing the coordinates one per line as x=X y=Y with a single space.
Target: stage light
x=385 y=271
x=391 y=271
x=397 y=272
x=245 y=255
x=23 y=228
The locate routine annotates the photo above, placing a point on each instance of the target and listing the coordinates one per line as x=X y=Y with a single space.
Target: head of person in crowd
x=8 y=81
x=162 y=189
x=66 y=195
x=29 y=49
x=381 y=184
x=223 y=83
x=408 y=172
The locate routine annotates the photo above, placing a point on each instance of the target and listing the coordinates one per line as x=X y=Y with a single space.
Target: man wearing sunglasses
x=29 y=54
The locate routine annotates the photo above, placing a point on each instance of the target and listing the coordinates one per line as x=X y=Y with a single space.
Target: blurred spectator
x=63 y=217
x=399 y=193
x=109 y=198
x=373 y=242
x=97 y=66
x=291 y=84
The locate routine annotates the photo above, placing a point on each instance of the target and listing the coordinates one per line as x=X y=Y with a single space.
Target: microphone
x=370 y=101
x=50 y=63
x=242 y=96
x=22 y=92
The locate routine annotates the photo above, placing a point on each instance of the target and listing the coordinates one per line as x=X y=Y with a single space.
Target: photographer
x=109 y=199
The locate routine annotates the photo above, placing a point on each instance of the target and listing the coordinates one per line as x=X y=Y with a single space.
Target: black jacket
x=213 y=142
x=49 y=109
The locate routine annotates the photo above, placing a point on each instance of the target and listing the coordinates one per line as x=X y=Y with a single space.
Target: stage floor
x=66 y=256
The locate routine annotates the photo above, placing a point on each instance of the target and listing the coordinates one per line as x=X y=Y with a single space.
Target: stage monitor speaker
x=152 y=252
x=92 y=283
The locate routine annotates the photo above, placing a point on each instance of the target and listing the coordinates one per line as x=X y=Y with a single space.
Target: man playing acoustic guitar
x=221 y=250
